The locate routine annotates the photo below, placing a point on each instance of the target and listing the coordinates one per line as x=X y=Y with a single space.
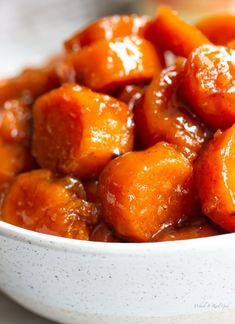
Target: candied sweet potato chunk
x=29 y=84
x=108 y=28
x=15 y=122
x=108 y=65
x=208 y=84
x=218 y=28
x=14 y=158
x=215 y=178
x=143 y=192
x=15 y=139
x=40 y=201
x=170 y=32
x=160 y=116
x=77 y=131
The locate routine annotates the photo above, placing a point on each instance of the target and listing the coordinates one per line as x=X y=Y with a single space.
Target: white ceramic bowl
x=81 y=282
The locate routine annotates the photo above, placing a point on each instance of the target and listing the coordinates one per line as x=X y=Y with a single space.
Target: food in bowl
x=109 y=142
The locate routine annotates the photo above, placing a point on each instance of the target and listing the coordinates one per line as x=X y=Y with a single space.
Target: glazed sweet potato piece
x=215 y=170
x=143 y=192
x=14 y=158
x=102 y=233
x=15 y=139
x=40 y=201
x=15 y=122
x=77 y=131
x=107 y=65
x=130 y=94
x=160 y=116
x=218 y=28
x=29 y=84
x=195 y=229
x=107 y=28
x=170 y=32
x=208 y=84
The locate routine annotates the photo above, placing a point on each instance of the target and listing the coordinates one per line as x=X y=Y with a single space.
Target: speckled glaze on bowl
x=73 y=281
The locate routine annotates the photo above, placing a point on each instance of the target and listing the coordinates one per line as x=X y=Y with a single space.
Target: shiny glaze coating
x=218 y=28
x=40 y=201
x=143 y=192
x=215 y=177
x=170 y=32
x=131 y=94
x=15 y=122
x=209 y=84
x=108 y=65
x=107 y=28
x=14 y=158
x=77 y=131
x=160 y=116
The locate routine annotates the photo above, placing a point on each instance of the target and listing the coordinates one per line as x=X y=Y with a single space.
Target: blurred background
x=31 y=30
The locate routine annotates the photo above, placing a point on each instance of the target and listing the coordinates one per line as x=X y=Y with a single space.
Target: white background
x=32 y=30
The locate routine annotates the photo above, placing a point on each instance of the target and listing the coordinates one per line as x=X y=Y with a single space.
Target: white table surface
x=11 y=313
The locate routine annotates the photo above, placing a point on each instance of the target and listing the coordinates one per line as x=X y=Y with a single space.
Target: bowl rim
x=16 y=233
